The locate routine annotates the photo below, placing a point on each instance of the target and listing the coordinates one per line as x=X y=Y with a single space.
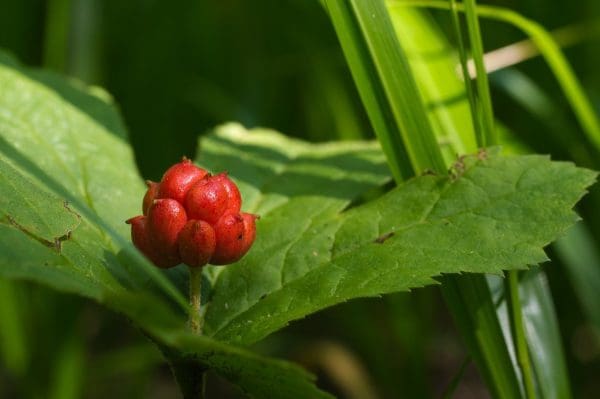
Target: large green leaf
x=310 y=255
x=67 y=183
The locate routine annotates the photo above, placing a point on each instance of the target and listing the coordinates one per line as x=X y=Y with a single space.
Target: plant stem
x=462 y=52
x=483 y=90
x=518 y=332
x=195 y=321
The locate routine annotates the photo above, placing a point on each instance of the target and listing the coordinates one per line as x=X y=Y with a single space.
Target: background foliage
x=179 y=68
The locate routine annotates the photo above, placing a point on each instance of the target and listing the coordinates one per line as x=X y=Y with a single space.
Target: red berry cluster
x=192 y=217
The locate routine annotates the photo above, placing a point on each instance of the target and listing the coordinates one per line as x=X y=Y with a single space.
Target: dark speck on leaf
x=382 y=238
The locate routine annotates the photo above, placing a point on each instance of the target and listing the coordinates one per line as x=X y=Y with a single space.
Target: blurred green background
x=177 y=69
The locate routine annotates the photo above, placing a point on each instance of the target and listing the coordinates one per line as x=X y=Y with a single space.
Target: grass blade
x=483 y=89
x=515 y=311
x=462 y=52
x=543 y=336
x=549 y=49
x=385 y=83
x=430 y=57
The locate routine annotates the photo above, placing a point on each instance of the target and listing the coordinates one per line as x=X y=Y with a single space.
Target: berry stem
x=195 y=321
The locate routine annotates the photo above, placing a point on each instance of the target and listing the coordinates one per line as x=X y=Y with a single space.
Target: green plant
x=328 y=232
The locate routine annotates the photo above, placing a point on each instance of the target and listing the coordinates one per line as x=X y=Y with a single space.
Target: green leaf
x=256 y=375
x=309 y=254
x=67 y=183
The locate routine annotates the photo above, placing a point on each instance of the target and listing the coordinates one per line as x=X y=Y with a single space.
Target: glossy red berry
x=141 y=239
x=235 y=199
x=150 y=196
x=166 y=218
x=178 y=179
x=207 y=200
x=249 y=232
x=196 y=243
x=139 y=234
x=235 y=234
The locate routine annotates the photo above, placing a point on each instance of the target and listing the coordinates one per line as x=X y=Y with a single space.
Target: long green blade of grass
x=462 y=52
x=379 y=67
x=470 y=301
x=543 y=335
x=442 y=91
x=549 y=49
x=483 y=90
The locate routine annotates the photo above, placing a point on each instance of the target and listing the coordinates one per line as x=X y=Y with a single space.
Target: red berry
x=166 y=218
x=229 y=232
x=235 y=234
x=196 y=243
x=150 y=196
x=178 y=179
x=249 y=232
x=141 y=239
x=207 y=200
x=139 y=234
x=235 y=199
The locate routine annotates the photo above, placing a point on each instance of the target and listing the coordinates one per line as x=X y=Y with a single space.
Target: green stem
x=483 y=89
x=462 y=52
x=518 y=331
x=195 y=320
